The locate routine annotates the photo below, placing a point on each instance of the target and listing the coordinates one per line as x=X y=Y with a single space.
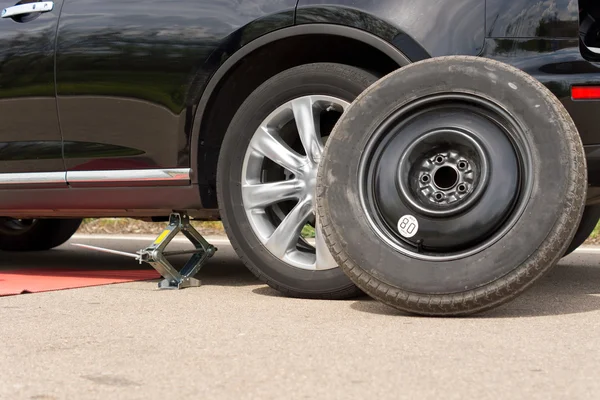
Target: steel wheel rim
x=497 y=115
x=279 y=230
x=471 y=175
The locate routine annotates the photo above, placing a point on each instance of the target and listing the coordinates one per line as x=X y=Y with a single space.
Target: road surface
x=234 y=338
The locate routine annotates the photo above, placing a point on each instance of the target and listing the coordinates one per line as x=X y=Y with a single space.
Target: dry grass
x=594 y=238
x=125 y=226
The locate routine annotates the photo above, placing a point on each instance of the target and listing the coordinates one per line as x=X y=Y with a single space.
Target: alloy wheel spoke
x=265 y=194
x=274 y=148
x=308 y=128
x=287 y=233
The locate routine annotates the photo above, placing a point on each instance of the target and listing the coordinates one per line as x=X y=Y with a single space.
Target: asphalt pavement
x=235 y=338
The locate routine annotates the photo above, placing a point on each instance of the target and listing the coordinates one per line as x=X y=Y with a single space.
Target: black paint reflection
x=27 y=94
x=130 y=72
x=532 y=18
x=441 y=27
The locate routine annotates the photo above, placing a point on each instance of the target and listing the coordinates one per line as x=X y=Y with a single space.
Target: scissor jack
x=156 y=256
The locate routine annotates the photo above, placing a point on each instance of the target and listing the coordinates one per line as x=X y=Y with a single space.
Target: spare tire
x=451 y=185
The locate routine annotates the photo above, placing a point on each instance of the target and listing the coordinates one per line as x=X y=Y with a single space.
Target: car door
x=30 y=139
x=129 y=75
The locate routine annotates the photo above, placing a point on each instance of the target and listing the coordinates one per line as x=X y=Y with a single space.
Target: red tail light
x=585 y=92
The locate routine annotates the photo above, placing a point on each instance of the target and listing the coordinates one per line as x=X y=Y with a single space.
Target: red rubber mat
x=45 y=280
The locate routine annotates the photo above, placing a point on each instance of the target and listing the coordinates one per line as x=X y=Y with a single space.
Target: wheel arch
x=206 y=138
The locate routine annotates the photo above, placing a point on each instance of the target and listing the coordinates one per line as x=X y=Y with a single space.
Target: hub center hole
x=445 y=178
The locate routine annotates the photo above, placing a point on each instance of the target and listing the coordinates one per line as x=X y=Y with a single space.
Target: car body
x=137 y=85
x=119 y=108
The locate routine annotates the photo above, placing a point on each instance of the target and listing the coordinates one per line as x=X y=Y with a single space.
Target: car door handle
x=28 y=8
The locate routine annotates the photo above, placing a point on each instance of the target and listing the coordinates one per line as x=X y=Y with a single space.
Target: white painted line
x=588 y=250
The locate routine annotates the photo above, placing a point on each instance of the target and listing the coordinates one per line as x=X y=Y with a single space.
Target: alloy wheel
x=279 y=179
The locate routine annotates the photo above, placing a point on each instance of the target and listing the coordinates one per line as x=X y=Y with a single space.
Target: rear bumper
x=560 y=65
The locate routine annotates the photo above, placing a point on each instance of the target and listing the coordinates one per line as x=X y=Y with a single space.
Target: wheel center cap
x=444 y=179
x=442 y=172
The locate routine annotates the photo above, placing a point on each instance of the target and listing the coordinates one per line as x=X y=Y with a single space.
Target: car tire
x=589 y=221
x=416 y=243
x=35 y=235
x=262 y=229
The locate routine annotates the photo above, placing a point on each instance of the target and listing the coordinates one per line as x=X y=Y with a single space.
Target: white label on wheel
x=408 y=226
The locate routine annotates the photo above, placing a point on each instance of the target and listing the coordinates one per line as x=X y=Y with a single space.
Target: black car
x=222 y=108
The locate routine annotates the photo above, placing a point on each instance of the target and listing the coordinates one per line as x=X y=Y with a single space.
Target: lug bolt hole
x=425 y=178
x=439 y=159
x=438 y=196
x=462 y=188
x=462 y=165
x=445 y=178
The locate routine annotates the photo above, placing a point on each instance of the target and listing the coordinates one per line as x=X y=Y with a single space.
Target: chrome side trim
x=134 y=175
x=32 y=178
x=167 y=176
